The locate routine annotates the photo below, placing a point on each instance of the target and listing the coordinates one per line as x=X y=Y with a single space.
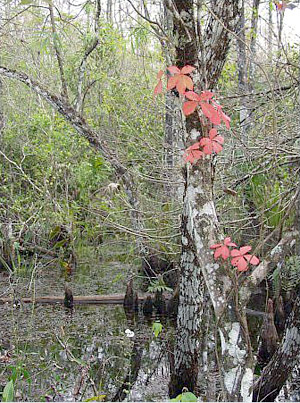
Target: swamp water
x=55 y=354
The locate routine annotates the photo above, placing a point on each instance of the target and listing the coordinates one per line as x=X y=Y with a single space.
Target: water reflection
x=77 y=354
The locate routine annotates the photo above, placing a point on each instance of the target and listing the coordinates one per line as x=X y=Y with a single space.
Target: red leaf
x=206 y=143
x=245 y=249
x=183 y=83
x=192 y=96
x=219 y=139
x=223 y=251
x=252 y=259
x=195 y=146
x=172 y=82
x=174 y=69
x=187 y=69
x=235 y=252
x=193 y=154
x=241 y=259
x=213 y=133
x=213 y=143
x=189 y=107
x=188 y=82
x=210 y=112
x=215 y=118
x=206 y=95
x=181 y=87
x=216 y=147
x=240 y=263
x=227 y=242
x=158 y=89
x=160 y=74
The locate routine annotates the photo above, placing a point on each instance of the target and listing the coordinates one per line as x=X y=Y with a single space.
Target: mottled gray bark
x=173 y=122
x=200 y=229
x=284 y=360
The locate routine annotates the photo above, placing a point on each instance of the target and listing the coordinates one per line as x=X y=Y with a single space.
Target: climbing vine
x=209 y=111
x=211 y=115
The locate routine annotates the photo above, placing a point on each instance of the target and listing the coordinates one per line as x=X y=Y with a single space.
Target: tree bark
x=254 y=22
x=199 y=221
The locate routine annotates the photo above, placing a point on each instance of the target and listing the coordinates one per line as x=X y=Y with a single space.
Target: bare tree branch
x=82 y=67
x=58 y=53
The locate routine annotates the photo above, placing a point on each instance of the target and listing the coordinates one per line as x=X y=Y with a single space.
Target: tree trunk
x=1 y=110
x=243 y=76
x=199 y=221
x=270 y=32
x=254 y=22
x=173 y=139
x=284 y=360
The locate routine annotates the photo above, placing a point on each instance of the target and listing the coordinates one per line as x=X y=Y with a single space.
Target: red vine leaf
x=174 y=70
x=206 y=95
x=211 y=113
x=241 y=258
x=193 y=153
x=226 y=119
x=222 y=249
x=212 y=143
x=159 y=87
x=160 y=74
x=180 y=80
x=190 y=106
x=187 y=69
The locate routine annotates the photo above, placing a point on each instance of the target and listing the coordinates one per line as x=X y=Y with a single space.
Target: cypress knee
x=130 y=296
x=148 y=306
x=68 y=301
x=280 y=316
x=160 y=303
x=172 y=307
x=269 y=337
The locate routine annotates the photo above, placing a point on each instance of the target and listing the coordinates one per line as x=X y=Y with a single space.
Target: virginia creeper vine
x=211 y=115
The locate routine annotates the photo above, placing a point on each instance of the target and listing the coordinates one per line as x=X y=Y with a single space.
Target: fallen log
x=113 y=299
